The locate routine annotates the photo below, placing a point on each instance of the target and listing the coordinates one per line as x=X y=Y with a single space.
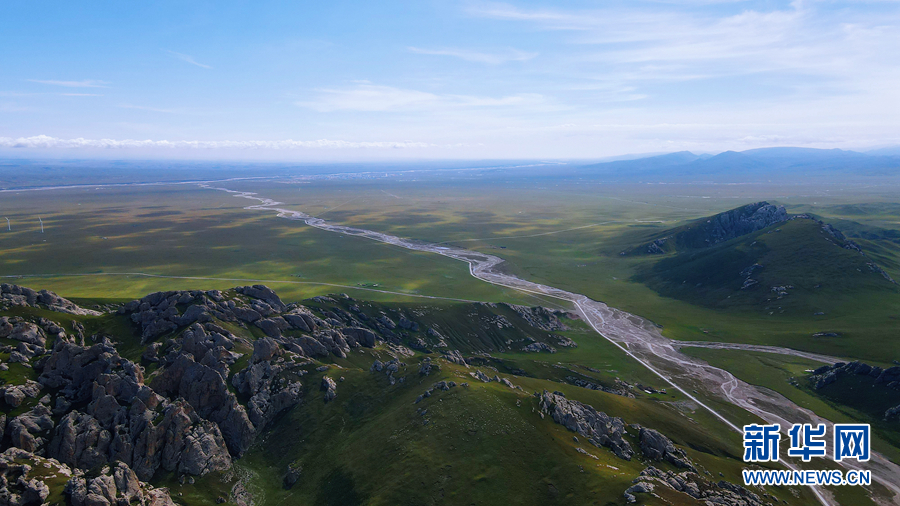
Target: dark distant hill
x=769 y=163
x=650 y=164
x=888 y=151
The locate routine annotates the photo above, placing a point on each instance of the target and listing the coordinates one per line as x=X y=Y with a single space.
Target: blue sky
x=444 y=79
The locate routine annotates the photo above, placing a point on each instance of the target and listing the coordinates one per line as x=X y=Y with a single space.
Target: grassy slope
x=824 y=275
x=484 y=444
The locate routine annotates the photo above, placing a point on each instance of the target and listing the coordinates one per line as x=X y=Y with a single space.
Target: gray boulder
x=599 y=428
x=330 y=388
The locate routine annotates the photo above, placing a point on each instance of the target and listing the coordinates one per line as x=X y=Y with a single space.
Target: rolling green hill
x=236 y=397
x=800 y=265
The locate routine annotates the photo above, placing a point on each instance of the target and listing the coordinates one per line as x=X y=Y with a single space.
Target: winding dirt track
x=635 y=336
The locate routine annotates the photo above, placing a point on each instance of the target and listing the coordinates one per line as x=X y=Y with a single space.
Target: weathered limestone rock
x=205 y=390
x=599 y=428
x=330 y=388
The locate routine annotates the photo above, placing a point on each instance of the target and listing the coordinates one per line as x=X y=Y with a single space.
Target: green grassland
x=190 y=232
x=569 y=234
x=483 y=443
x=564 y=233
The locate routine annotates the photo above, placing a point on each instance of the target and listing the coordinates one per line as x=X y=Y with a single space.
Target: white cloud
x=478 y=57
x=188 y=59
x=671 y=43
x=87 y=83
x=371 y=98
x=46 y=142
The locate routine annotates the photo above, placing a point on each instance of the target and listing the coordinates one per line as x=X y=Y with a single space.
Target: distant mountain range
x=754 y=164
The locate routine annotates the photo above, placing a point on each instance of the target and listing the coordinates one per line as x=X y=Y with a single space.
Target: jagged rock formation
x=599 y=428
x=454 y=357
x=179 y=404
x=294 y=327
x=116 y=484
x=100 y=412
x=828 y=374
x=330 y=388
x=270 y=383
x=622 y=388
x=16 y=485
x=206 y=391
x=440 y=386
x=696 y=486
x=719 y=228
x=15 y=295
x=540 y=317
x=880 y=379
x=124 y=419
x=602 y=430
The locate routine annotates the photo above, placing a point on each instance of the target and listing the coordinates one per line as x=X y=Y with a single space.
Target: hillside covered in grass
x=238 y=397
x=770 y=263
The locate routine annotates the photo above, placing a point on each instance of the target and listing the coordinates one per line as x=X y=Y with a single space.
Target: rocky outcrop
x=28 y=430
x=454 y=357
x=273 y=387
x=292 y=476
x=828 y=374
x=295 y=328
x=162 y=312
x=540 y=317
x=622 y=388
x=125 y=420
x=719 y=228
x=600 y=429
x=13 y=395
x=837 y=238
x=441 y=386
x=99 y=413
x=115 y=485
x=206 y=391
x=360 y=336
x=15 y=295
x=697 y=487
x=19 y=486
x=740 y=221
x=539 y=347
x=330 y=388
x=874 y=377
x=23 y=478
x=23 y=331
x=656 y=446
x=262 y=293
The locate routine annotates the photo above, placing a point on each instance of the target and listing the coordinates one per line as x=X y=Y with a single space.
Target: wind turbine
x=42 y=224
x=8 y=226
